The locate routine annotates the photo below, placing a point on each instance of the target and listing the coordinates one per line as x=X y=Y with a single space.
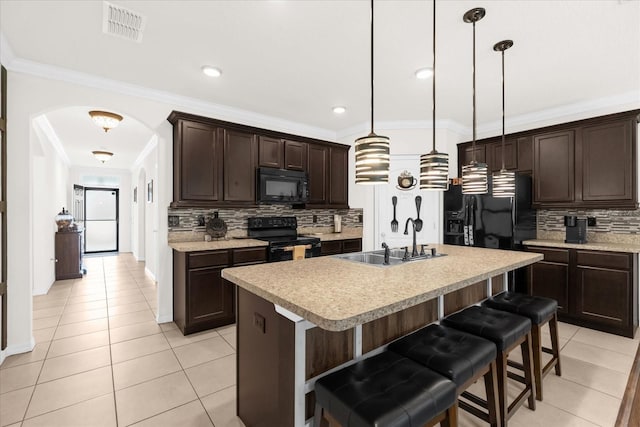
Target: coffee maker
x=576 y=229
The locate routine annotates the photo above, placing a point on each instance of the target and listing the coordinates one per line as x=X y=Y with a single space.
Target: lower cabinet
x=202 y=299
x=68 y=255
x=593 y=288
x=334 y=247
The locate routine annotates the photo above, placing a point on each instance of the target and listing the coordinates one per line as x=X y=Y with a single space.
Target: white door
x=101 y=220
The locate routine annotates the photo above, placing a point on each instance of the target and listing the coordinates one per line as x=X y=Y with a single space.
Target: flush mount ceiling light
x=211 y=71
x=339 y=110
x=434 y=167
x=372 y=151
x=474 y=175
x=105 y=119
x=103 y=156
x=504 y=182
x=424 y=73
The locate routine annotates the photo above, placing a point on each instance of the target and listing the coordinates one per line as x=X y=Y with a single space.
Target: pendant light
x=504 y=182
x=474 y=175
x=434 y=167
x=372 y=151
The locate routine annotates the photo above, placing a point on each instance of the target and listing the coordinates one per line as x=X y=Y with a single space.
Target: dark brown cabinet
x=202 y=299
x=334 y=247
x=553 y=155
x=68 y=255
x=466 y=155
x=328 y=176
x=240 y=159
x=494 y=152
x=215 y=162
x=593 y=288
x=270 y=152
x=197 y=164
x=607 y=155
x=524 y=154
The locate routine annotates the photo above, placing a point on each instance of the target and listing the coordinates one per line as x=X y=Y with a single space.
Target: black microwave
x=282 y=186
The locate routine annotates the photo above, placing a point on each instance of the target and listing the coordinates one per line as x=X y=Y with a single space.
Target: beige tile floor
x=101 y=360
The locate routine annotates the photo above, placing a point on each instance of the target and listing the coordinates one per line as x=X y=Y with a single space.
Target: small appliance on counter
x=337 y=223
x=576 y=229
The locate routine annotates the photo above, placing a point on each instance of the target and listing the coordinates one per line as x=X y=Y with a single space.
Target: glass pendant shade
x=474 y=178
x=372 y=159
x=434 y=171
x=105 y=119
x=504 y=184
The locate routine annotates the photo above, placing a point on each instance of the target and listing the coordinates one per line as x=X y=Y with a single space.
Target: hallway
x=102 y=360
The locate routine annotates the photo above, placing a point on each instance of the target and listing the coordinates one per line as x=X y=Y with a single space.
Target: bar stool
x=540 y=311
x=386 y=390
x=507 y=331
x=459 y=356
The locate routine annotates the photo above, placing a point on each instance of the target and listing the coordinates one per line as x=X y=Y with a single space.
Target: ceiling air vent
x=121 y=22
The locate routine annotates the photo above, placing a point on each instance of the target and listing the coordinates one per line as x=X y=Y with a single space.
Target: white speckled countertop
x=216 y=244
x=336 y=294
x=595 y=246
x=351 y=234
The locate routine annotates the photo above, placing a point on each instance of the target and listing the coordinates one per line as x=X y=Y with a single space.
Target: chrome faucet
x=386 y=253
x=414 y=251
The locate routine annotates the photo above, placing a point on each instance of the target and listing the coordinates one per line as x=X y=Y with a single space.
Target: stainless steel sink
x=373 y=258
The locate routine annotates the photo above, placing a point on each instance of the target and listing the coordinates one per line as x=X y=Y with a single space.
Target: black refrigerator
x=491 y=222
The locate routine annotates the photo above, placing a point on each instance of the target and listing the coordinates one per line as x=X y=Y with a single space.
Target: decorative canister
x=64 y=220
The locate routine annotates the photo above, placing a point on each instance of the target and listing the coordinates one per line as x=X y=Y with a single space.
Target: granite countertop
x=337 y=294
x=595 y=246
x=351 y=234
x=216 y=244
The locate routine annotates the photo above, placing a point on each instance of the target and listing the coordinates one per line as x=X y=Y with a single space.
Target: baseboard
x=17 y=349
x=41 y=291
x=164 y=319
x=150 y=274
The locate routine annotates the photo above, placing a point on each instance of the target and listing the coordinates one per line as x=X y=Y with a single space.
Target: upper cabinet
x=584 y=164
x=215 y=162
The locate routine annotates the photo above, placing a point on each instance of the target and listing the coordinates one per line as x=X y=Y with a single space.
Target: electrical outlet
x=360 y=219
x=201 y=221
x=315 y=218
x=591 y=221
x=174 y=221
x=259 y=322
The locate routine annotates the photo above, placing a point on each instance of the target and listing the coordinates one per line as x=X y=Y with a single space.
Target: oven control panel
x=272 y=222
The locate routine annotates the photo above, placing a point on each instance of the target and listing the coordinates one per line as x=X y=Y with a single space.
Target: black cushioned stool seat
x=459 y=356
x=540 y=311
x=386 y=390
x=507 y=331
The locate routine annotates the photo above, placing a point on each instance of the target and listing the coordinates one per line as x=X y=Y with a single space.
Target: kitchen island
x=298 y=320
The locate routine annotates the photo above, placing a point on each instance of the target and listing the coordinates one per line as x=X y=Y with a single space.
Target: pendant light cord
x=371 y=66
x=473 y=144
x=502 y=110
x=433 y=124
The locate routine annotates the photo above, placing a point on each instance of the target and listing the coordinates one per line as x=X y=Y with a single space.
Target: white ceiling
x=294 y=60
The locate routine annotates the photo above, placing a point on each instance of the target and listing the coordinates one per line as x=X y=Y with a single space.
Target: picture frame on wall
x=135 y=194
x=150 y=192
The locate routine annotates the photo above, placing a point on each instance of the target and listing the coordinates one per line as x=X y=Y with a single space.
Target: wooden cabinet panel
x=208 y=259
x=525 y=153
x=602 y=296
x=554 y=167
x=211 y=298
x=270 y=152
x=295 y=155
x=351 y=245
x=240 y=155
x=331 y=247
x=68 y=255
x=338 y=177
x=553 y=255
x=607 y=162
x=510 y=155
x=551 y=280
x=197 y=163
x=246 y=256
x=618 y=261
x=466 y=155
x=317 y=168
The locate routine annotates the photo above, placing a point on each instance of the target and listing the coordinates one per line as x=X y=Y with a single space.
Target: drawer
x=208 y=259
x=351 y=245
x=249 y=255
x=552 y=255
x=613 y=260
x=331 y=247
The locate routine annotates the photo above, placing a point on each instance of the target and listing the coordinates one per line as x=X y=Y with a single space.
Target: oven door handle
x=290 y=248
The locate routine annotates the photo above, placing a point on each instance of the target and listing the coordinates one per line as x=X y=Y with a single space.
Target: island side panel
x=265 y=358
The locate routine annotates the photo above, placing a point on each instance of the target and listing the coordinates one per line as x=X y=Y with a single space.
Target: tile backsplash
x=236 y=219
x=611 y=225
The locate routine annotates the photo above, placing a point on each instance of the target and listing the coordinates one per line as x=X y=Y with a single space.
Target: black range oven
x=282 y=235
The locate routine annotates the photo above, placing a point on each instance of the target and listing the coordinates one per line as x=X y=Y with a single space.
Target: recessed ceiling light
x=424 y=73
x=211 y=71
x=339 y=109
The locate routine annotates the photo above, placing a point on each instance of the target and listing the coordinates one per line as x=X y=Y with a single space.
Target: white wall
x=403 y=142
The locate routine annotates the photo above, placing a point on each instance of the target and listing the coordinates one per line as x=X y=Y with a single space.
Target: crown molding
x=47 y=130
x=362 y=128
